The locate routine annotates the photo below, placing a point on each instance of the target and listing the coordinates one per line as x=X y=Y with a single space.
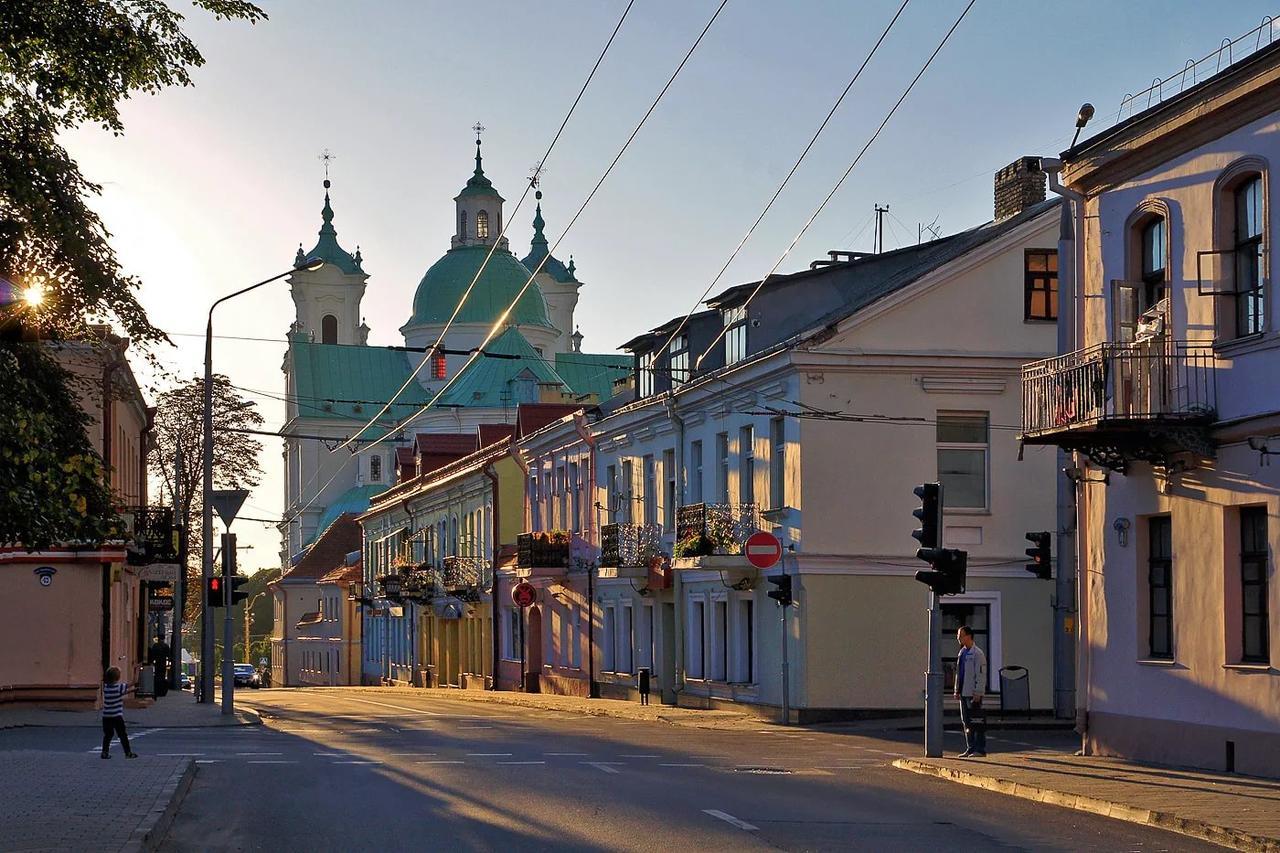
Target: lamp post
x=206 y=543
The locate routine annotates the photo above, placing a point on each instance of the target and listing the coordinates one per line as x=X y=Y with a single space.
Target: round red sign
x=763 y=550
x=523 y=594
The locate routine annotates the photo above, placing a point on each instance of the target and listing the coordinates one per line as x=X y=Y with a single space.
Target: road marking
x=410 y=754
x=208 y=761
x=488 y=754
x=569 y=754
x=440 y=761
x=474 y=727
x=272 y=761
x=247 y=754
x=638 y=756
x=603 y=765
x=393 y=707
x=730 y=819
x=522 y=762
x=178 y=754
x=357 y=762
x=330 y=754
x=682 y=765
x=132 y=737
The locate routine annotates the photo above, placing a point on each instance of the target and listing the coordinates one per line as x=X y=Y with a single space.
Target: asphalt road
x=404 y=770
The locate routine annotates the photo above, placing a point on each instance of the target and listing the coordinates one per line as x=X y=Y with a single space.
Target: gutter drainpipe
x=527 y=515
x=677 y=592
x=593 y=688
x=493 y=597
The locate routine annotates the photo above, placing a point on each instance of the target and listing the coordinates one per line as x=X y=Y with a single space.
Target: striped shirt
x=113 y=699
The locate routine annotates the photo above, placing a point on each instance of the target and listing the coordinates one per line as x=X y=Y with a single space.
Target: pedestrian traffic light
x=213 y=591
x=238 y=595
x=1041 y=564
x=949 y=568
x=929 y=513
x=782 y=594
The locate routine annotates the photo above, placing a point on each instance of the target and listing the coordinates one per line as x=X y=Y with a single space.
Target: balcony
x=1122 y=402
x=152 y=534
x=712 y=535
x=544 y=553
x=464 y=574
x=630 y=550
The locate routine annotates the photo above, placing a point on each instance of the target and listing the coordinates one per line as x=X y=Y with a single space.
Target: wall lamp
x=1259 y=443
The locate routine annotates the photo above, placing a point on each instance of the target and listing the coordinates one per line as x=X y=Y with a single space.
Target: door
x=533 y=648
x=667 y=672
x=977 y=617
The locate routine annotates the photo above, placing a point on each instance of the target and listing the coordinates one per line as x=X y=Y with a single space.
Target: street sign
x=262 y=661
x=523 y=594
x=227 y=502
x=160 y=603
x=763 y=550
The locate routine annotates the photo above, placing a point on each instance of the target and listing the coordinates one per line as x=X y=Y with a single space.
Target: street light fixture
x=206 y=545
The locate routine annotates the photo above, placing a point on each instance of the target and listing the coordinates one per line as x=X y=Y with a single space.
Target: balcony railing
x=1145 y=382
x=154 y=538
x=542 y=550
x=714 y=529
x=463 y=572
x=630 y=545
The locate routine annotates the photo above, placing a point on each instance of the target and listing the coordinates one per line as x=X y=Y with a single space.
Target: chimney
x=1018 y=186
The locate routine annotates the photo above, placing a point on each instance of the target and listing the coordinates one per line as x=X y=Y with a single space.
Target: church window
x=439 y=365
x=329 y=329
x=482 y=226
x=462 y=224
x=375 y=469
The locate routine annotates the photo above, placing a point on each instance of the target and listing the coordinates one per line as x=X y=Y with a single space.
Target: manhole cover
x=765 y=770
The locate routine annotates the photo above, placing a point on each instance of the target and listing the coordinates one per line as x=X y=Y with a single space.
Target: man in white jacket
x=971 y=683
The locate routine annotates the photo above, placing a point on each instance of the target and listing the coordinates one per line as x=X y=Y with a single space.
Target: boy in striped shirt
x=113 y=693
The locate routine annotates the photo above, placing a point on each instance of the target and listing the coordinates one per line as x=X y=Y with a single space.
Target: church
x=337 y=380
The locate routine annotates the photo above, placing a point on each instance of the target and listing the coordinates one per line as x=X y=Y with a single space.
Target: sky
x=212 y=187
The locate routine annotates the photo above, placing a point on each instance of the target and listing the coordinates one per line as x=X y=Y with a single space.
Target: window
x=694 y=660
x=978 y=618
x=746 y=465
x=560 y=630
x=628 y=489
x=735 y=335
x=575 y=498
x=719 y=640
x=648 y=645
x=482 y=225
x=462 y=224
x=1248 y=257
x=626 y=639
x=328 y=329
x=375 y=468
x=1160 y=586
x=650 y=491
x=678 y=359
x=695 y=472
x=745 y=642
x=1154 y=251
x=963 y=444
x=562 y=493
x=575 y=647
x=439 y=365
x=646 y=374
x=1253 y=584
x=1040 y=269
x=777 y=463
x=608 y=637
x=722 y=467
x=611 y=493
x=511 y=636
x=669 y=496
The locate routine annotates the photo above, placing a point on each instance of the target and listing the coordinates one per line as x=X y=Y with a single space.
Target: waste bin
x=1015 y=689
x=642 y=684
x=146 y=681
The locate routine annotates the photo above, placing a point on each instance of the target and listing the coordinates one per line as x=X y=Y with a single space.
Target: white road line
x=208 y=761
x=247 y=754
x=178 y=754
x=730 y=819
x=601 y=765
x=329 y=754
x=474 y=727
x=682 y=765
x=356 y=762
x=623 y=755
x=132 y=737
x=411 y=754
x=569 y=754
x=393 y=707
x=440 y=761
x=488 y=755
x=522 y=762
x=272 y=761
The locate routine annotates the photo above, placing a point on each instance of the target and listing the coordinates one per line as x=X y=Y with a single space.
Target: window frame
x=1046 y=277
x=375 y=468
x=650 y=474
x=329 y=329
x=746 y=465
x=777 y=463
x=1256 y=241
x=964 y=446
x=678 y=360
x=482 y=225
x=735 y=334
x=646 y=384
x=1162 y=558
x=669 y=489
x=695 y=471
x=1259 y=557
x=722 y=467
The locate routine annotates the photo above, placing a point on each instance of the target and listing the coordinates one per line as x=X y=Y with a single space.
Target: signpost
x=763 y=550
x=226 y=502
x=523 y=595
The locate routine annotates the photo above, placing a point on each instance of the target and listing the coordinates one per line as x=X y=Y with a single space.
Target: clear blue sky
x=213 y=187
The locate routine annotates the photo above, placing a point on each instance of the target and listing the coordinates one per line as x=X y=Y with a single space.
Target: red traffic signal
x=214 y=589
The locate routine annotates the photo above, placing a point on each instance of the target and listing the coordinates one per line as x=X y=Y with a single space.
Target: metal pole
x=786 y=675
x=933 y=683
x=180 y=584
x=524 y=676
x=228 y=625
x=206 y=523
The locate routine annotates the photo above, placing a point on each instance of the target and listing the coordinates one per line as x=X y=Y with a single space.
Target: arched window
x=462 y=224
x=439 y=365
x=329 y=329
x=1147 y=266
x=482 y=225
x=1154 y=251
x=1247 y=243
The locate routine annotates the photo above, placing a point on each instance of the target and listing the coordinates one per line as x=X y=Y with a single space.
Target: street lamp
x=206 y=545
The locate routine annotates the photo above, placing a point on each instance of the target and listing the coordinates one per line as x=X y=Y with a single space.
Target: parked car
x=188 y=683
x=246 y=676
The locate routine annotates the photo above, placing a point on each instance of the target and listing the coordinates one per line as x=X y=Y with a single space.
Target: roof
x=664 y=331
x=442 y=287
x=592 y=373
x=445 y=442
x=345 y=574
x=354 y=501
x=330 y=549
x=345 y=382
x=487 y=382
x=493 y=433
x=309 y=618
x=532 y=417
x=458 y=467
x=327 y=248
x=538 y=250
x=478 y=183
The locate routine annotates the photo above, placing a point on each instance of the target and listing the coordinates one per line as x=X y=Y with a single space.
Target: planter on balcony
x=630 y=550
x=542 y=550
x=712 y=535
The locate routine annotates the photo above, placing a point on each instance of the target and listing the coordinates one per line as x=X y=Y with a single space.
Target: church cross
x=326 y=157
x=479 y=129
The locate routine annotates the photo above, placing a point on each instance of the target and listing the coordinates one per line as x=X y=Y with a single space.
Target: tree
x=179 y=426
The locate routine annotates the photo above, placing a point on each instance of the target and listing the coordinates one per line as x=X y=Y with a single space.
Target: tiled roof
x=344 y=382
x=534 y=416
x=346 y=574
x=592 y=373
x=490 y=433
x=330 y=549
x=445 y=442
x=309 y=618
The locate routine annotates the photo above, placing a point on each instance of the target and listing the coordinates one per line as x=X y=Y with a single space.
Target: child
x=113 y=693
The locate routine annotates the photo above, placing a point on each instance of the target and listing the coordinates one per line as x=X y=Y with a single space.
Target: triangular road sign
x=227 y=502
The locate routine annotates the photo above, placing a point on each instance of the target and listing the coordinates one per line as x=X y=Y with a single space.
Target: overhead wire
x=505 y=225
x=786 y=180
x=846 y=174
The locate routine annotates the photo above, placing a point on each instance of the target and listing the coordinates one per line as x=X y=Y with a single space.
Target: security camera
x=1258 y=442
x=755 y=324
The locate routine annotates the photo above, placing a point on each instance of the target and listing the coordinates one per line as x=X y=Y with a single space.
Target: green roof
x=490 y=382
x=352 y=500
x=441 y=289
x=592 y=373
x=478 y=184
x=538 y=250
x=345 y=382
x=327 y=248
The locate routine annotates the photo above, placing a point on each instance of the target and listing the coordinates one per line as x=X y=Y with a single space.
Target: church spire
x=327 y=248
x=539 y=239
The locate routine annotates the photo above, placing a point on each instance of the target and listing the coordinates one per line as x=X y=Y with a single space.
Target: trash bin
x=146 y=681
x=1015 y=689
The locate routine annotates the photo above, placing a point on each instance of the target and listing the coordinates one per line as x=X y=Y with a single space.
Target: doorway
x=533 y=649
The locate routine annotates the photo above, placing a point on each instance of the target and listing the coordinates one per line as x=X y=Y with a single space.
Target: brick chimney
x=1018 y=186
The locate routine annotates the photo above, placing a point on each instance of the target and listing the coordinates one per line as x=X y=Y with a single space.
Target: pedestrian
x=158 y=657
x=971 y=682
x=113 y=693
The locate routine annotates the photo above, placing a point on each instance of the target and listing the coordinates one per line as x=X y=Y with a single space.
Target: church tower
x=327 y=300
x=559 y=283
x=478 y=219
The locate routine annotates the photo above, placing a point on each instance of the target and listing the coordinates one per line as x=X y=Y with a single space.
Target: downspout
x=106 y=618
x=593 y=689
x=677 y=680
x=1072 y=587
x=526 y=515
x=493 y=597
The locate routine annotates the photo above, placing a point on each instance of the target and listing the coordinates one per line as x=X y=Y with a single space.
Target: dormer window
x=646 y=375
x=679 y=360
x=482 y=225
x=735 y=334
x=375 y=469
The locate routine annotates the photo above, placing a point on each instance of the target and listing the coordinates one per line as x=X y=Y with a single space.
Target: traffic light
x=929 y=514
x=782 y=594
x=238 y=595
x=949 y=568
x=1041 y=564
x=213 y=591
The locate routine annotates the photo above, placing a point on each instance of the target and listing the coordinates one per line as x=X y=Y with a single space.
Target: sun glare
x=33 y=295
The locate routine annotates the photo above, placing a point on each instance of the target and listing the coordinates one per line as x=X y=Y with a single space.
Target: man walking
x=971 y=683
x=158 y=656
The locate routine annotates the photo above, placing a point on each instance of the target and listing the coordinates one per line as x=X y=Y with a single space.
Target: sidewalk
x=77 y=801
x=177 y=709
x=1240 y=812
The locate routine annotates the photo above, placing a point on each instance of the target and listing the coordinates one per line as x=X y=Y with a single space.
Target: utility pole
x=933 y=683
x=879 y=240
x=179 y=584
x=786 y=675
x=228 y=624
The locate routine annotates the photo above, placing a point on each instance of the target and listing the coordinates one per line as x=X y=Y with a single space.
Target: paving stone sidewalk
x=77 y=801
x=174 y=710
x=1240 y=812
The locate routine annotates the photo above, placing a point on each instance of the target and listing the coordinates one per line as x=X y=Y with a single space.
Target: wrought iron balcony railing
x=464 y=572
x=153 y=536
x=542 y=550
x=714 y=529
x=630 y=545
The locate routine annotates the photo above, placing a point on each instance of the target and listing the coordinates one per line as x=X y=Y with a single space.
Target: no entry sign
x=523 y=594
x=763 y=550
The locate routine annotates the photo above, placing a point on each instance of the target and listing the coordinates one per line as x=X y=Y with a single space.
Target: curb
x=155 y=826
x=1226 y=836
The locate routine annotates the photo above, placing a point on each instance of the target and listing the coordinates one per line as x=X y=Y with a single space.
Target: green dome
x=442 y=287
